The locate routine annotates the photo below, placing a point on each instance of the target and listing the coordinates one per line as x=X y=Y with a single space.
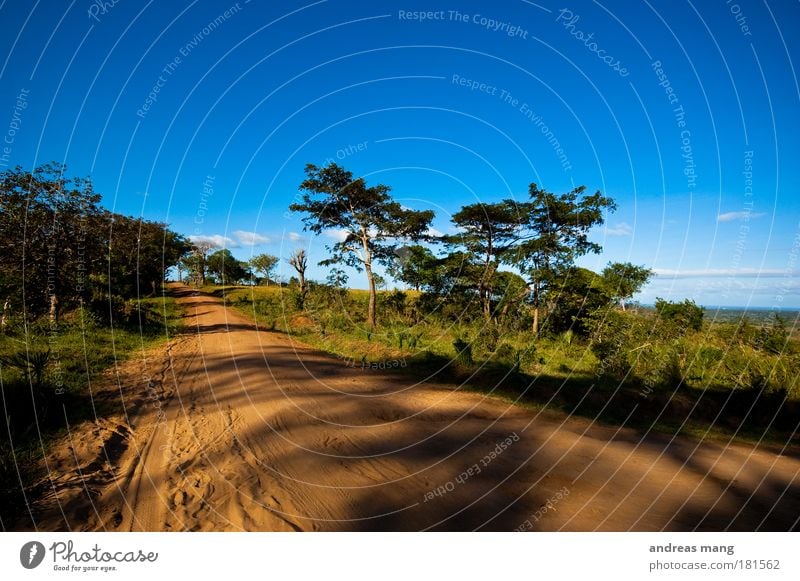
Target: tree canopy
x=554 y=232
x=264 y=264
x=370 y=224
x=623 y=280
x=59 y=247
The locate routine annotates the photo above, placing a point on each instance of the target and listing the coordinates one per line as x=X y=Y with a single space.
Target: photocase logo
x=31 y=554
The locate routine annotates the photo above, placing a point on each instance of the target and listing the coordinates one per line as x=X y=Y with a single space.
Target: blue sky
x=203 y=114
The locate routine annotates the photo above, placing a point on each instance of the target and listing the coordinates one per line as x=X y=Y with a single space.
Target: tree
x=299 y=261
x=622 y=280
x=196 y=262
x=554 y=231
x=60 y=249
x=225 y=267
x=580 y=295
x=265 y=264
x=415 y=265
x=509 y=289
x=773 y=335
x=370 y=222
x=49 y=239
x=140 y=253
x=450 y=287
x=487 y=232
x=193 y=264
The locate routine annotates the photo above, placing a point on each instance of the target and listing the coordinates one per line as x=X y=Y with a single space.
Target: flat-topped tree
x=554 y=232
x=371 y=223
x=265 y=264
x=486 y=232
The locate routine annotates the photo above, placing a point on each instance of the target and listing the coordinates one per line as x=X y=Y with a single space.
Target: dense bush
x=686 y=315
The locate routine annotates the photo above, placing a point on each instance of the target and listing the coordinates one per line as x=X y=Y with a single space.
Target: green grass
x=72 y=355
x=704 y=371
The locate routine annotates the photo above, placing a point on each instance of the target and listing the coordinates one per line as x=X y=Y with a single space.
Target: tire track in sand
x=261 y=433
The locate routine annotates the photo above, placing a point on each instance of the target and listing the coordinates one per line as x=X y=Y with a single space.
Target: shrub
x=505 y=353
x=463 y=351
x=487 y=338
x=685 y=315
x=772 y=336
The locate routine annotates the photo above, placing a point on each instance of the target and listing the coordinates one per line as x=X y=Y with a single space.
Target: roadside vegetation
x=499 y=306
x=81 y=288
x=634 y=367
x=502 y=307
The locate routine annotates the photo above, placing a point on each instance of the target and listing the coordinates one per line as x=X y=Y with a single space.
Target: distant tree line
x=59 y=248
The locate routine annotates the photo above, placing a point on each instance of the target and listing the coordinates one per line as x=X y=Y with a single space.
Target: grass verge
x=46 y=378
x=558 y=374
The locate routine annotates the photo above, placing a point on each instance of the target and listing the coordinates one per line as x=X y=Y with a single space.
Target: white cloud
x=733 y=216
x=250 y=238
x=727 y=272
x=336 y=234
x=621 y=229
x=217 y=240
x=434 y=232
x=294 y=237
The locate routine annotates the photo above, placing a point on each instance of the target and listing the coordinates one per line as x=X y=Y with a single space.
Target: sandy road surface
x=237 y=429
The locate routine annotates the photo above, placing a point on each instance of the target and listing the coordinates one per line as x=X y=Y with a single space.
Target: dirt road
x=240 y=429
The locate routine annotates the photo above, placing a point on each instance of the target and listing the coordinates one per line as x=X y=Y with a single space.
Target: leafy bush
x=463 y=351
x=487 y=338
x=685 y=315
x=772 y=336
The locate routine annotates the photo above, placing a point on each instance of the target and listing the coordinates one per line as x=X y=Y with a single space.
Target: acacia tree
x=299 y=261
x=622 y=280
x=487 y=232
x=370 y=222
x=265 y=264
x=554 y=231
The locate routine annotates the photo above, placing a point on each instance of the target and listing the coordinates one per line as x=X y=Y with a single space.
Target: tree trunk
x=4 y=319
x=622 y=303
x=486 y=284
x=371 y=317
x=303 y=289
x=536 y=310
x=53 y=309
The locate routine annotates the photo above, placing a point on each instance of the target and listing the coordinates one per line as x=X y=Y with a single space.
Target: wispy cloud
x=727 y=272
x=734 y=216
x=295 y=237
x=621 y=229
x=217 y=240
x=250 y=238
